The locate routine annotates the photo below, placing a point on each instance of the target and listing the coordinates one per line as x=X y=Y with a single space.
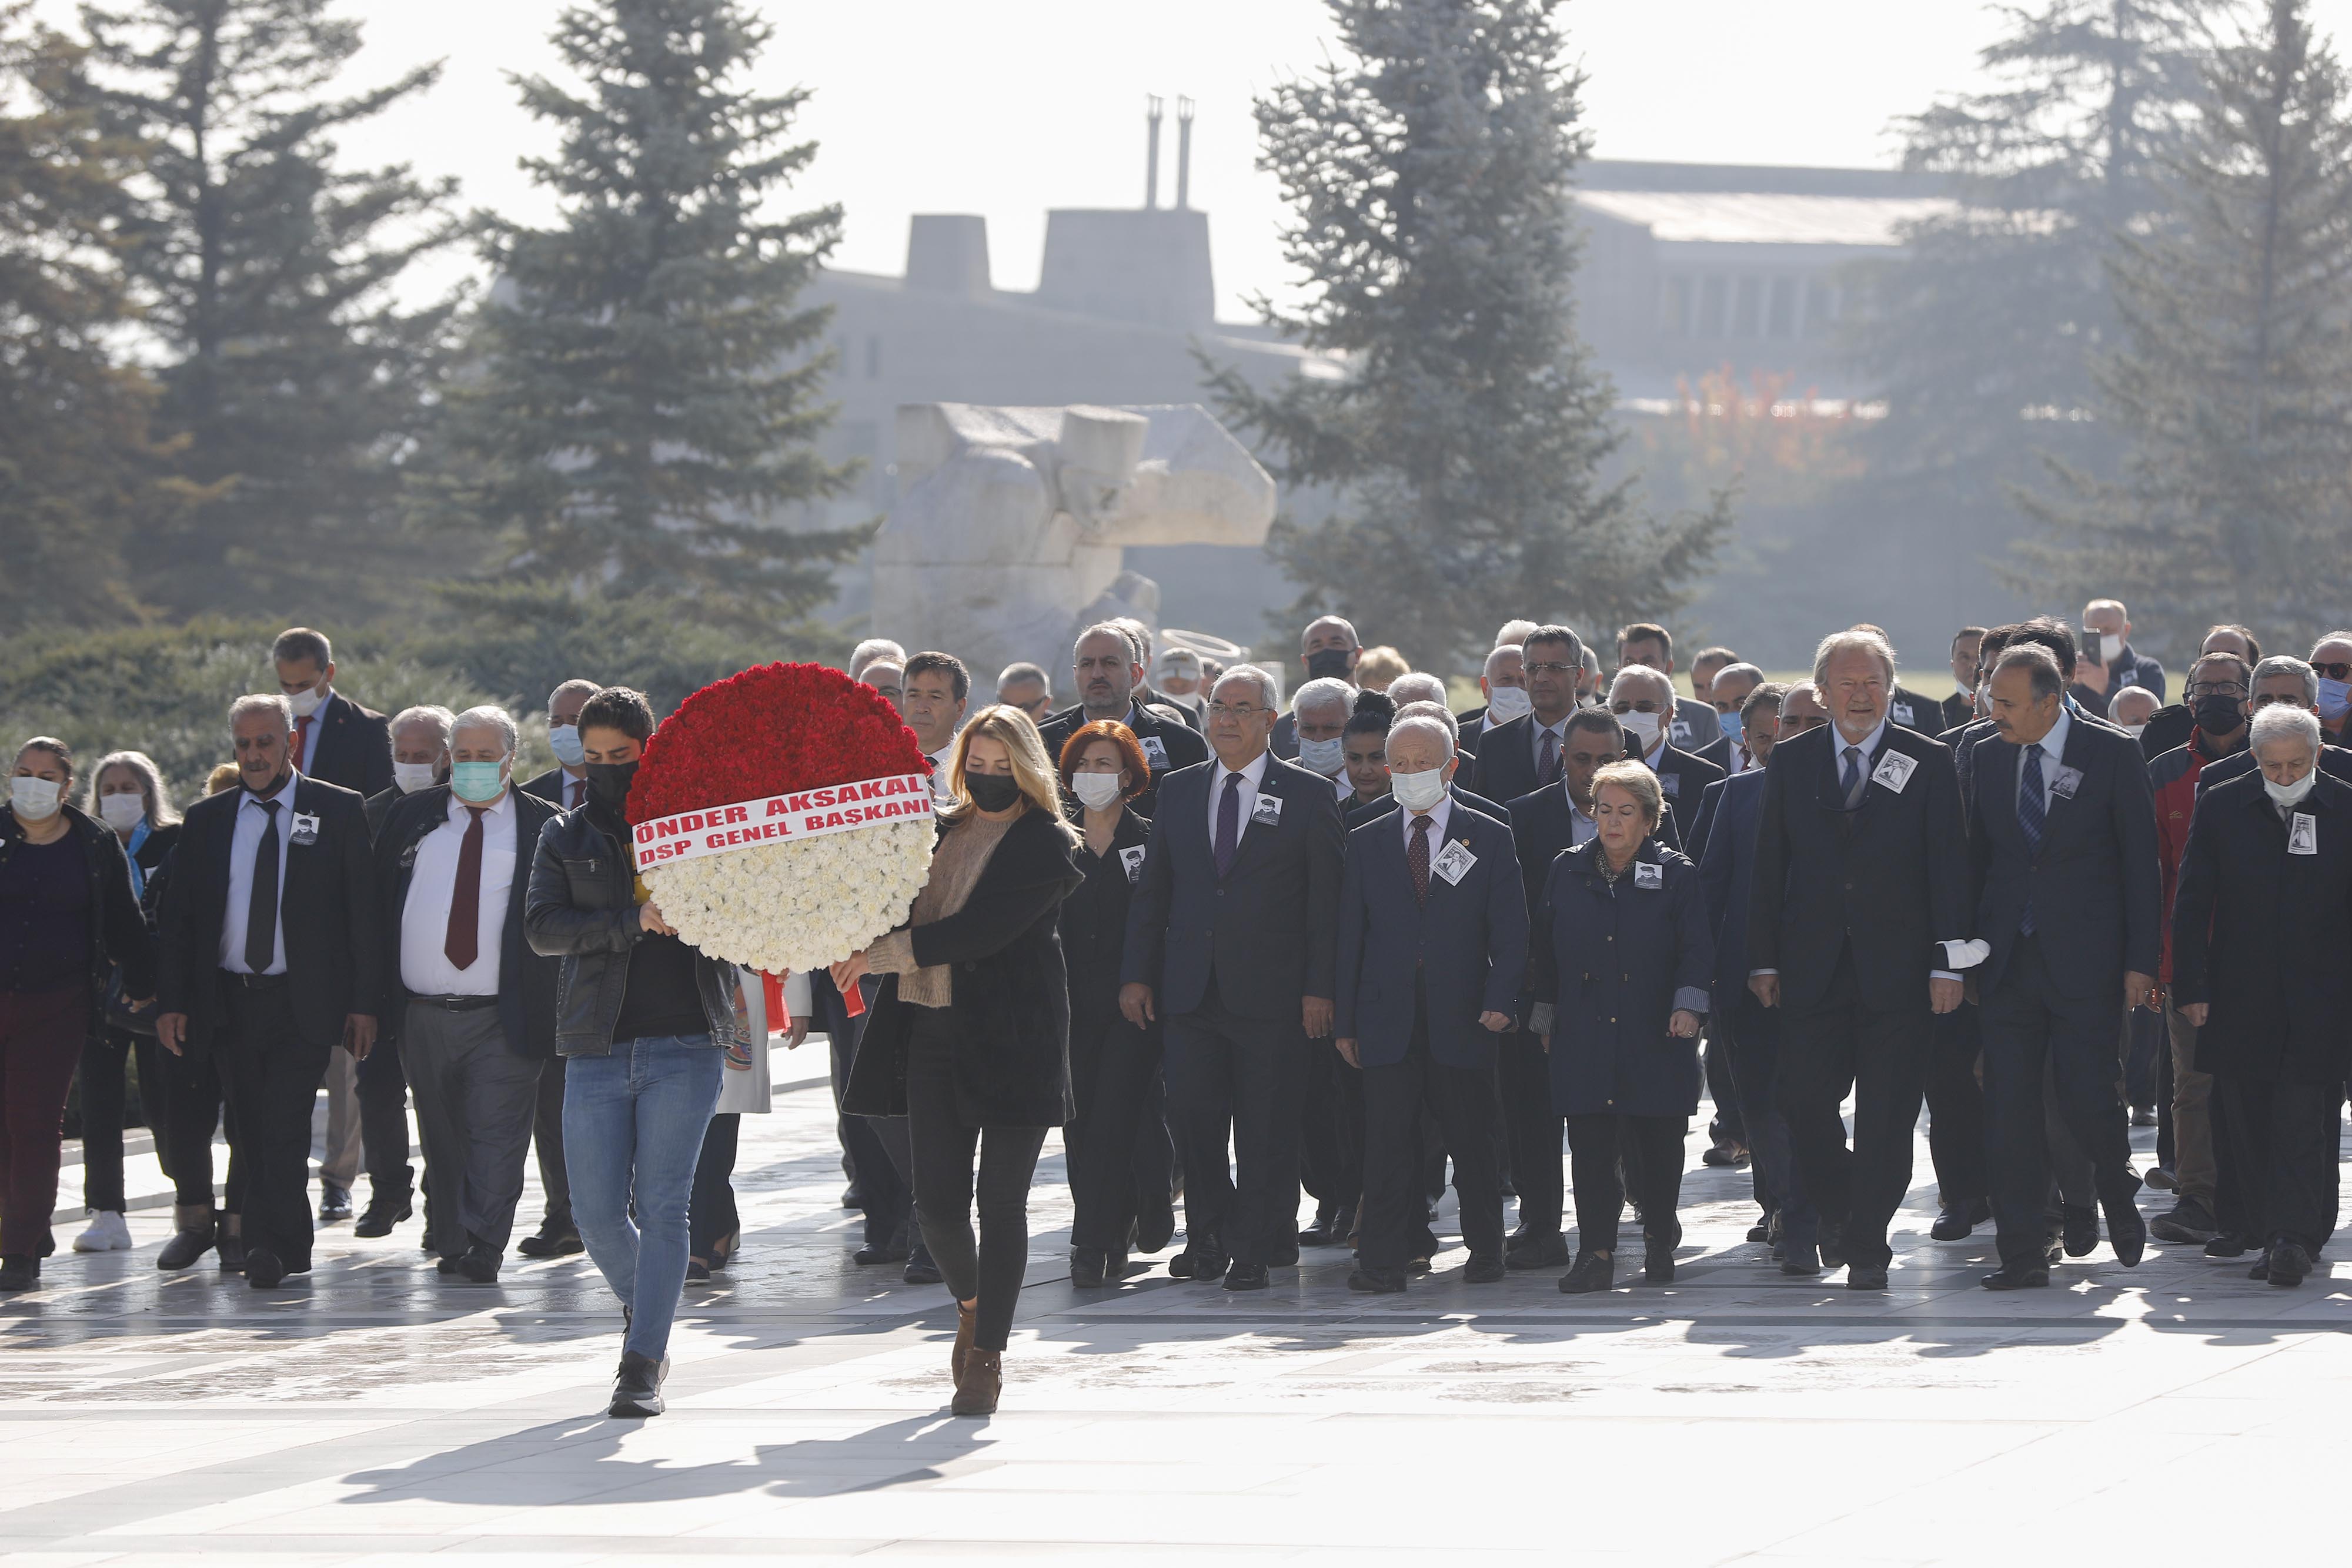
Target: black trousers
x=2033 y=1036
x=1727 y=1126
x=1332 y=1139
x=874 y=1148
x=2278 y=1146
x=1653 y=1147
x=105 y=1105
x=1246 y=1076
x=272 y=1075
x=942 y=1146
x=1753 y=1032
x=547 y=1140
x=381 y=1087
x=1118 y=1155
x=1393 y=1227
x=1956 y=1110
x=1838 y=1045
x=1532 y=1129
x=194 y=1102
x=712 y=1214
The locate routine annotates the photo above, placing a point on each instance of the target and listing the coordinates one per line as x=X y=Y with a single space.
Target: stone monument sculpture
x=1010 y=523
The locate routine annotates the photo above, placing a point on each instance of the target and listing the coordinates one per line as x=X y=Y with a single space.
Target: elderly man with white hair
x=471 y=1007
x=2259 y=927
x=1318 y=714
x=1433 y=948
x=1644 y=700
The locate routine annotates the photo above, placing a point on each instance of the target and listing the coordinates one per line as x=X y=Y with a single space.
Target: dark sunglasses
x=2333 y=672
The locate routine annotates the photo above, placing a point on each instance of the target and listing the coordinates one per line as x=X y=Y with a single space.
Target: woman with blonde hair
x=1378 y=666
x=969 y=1036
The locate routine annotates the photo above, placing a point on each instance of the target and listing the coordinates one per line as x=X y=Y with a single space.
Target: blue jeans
x=632 y=1125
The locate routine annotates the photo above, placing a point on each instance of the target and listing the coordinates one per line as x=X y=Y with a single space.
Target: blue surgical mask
x=1324 y=757
x=565 y=739
x=2335 y=699
x=1731 y=725
x=477 y=783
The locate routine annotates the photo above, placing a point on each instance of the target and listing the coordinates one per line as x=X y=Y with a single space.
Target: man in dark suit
x=270 y=956
x=566 y=785
x=2062 y=850
x=1694 y=723
x=1860 y=901
x=1231 y=939
x=420 y=759
x=1505 y=671
x=472 y=1008
x=1967 y=675
x=2259 y=930
x=1643 y=698
x=1433 y=950
x=1748 y=1031
x=1106 y=671
x=1522 y=755
x=1328 y=648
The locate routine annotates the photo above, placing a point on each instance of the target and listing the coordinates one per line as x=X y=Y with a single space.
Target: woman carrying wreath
x=969 y=1036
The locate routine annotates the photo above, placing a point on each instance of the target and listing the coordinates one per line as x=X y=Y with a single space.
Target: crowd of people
x=1233 y=947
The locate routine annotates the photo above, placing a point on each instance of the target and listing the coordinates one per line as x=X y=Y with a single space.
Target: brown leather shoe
x=967 y=1319
x=983 y=1380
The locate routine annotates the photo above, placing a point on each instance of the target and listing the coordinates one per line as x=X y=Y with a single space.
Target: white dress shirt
x=1250 y=777
x=939 y=759
x=1536 y=732
x=1868 y=745
x=425 y=966
x=1581 y=828
x=243 y=845
x=2053 y=750
x=1438 y=815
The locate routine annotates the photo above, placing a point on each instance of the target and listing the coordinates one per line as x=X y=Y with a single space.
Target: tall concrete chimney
x=1183 y=153
x=1151 y=156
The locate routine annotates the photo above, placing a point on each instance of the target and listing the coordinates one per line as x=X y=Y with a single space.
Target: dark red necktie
x=1416 y=857
x=1548 y=766
x=579 y=787
x=301 y=742
x=463 y=943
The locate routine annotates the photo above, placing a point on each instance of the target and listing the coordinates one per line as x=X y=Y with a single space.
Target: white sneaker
x=108 y=1232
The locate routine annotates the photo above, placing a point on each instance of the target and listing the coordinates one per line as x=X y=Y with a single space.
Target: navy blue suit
x=1231 y=958
x=1414 y=976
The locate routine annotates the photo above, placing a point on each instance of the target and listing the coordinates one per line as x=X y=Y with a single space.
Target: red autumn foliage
x=771 y=729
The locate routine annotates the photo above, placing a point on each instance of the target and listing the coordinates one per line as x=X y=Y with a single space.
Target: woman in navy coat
x=1619 y=968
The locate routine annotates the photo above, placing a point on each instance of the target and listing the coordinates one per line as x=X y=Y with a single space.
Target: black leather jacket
x=582 y=908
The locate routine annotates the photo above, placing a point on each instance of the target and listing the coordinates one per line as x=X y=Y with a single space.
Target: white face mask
x=1505 y=703
x=2284 y=794
x=1418 y=791
x=2111 y=647
x=1097 y=791
x=305 y=704
x=34 y=799
x=123 y=813
x=412 y=776
x=1643 y=725
x=1324 y=757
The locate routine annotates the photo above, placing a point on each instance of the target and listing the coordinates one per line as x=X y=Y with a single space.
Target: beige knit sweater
x=956 y=864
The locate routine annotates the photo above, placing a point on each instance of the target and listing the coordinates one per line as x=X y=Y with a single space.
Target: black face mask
x=608 y=784
x=993 y=791
x=1327 y=663
x=2218 y=715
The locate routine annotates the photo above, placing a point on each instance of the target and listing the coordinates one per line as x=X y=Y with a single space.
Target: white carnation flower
x=800 y=906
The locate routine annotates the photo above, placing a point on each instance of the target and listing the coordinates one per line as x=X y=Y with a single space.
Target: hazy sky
x=1009 y=107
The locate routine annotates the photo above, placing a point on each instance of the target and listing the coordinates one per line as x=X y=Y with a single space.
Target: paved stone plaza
x=375 y=1414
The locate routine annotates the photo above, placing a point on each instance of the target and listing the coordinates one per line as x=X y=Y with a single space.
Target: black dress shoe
x=1284 y=1257
x=1955 y=1222
x=1593 y=1272
x=2227 y=1246
x=2023 y=1277
x=636 y=1391
x=263 y=1272
x=1155 y=1223
x=1202 y=1260
x=334 y=1203
x=2079 y=1229
x=1762 y=1229
x=1376 y=1282
x=1833 y=1248
x=445 y=1266
x=383 y=1211
x=891 y=1249
x=1320 y=1233
x=479 y=1264
x=1540 y=1252
x=1086 y=1268
x=22 y=1273
x=1865 y=1275
x=2289 y=1263
x=1801 y=1261
x=2128 y=1234
x=546 y=1243
x=1658 y=1262
x=1246 y=1277
x=920 y=1269
x=2262 y=1268
x=1484 y=1269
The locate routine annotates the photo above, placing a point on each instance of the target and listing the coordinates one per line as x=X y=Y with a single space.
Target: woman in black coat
x=1119 y=1154
x=2261 y=927
x=1619 y=964
x=968 y=1038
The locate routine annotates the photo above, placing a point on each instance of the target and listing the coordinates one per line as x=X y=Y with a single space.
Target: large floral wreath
x=781 y=818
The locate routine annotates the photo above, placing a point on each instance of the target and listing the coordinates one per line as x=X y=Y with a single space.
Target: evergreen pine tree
x=2234 y=391
x=649 y=403
x=75 y=462
x=1980 y=337
x=1429 y=173
x=294 y=378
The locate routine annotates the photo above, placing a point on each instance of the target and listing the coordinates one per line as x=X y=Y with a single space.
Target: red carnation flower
x=771 y=729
